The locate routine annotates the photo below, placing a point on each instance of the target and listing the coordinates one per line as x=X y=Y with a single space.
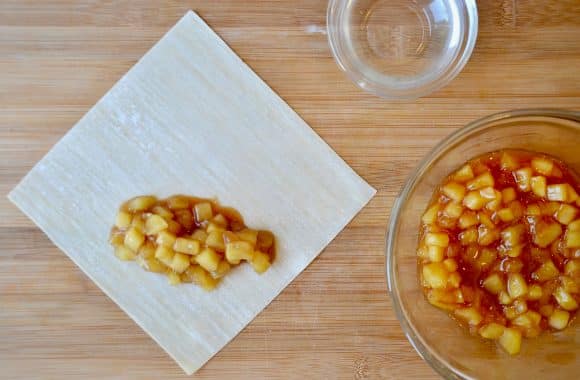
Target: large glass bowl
x=449 y=349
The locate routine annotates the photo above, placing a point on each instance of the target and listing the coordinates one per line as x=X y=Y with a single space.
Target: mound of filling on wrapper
x=189 y=239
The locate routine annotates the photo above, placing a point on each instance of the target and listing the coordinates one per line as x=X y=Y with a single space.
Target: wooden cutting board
x=57 y=58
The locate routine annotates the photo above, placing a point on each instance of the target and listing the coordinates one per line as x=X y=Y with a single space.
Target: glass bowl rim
x=469 y=35
x=434 y=359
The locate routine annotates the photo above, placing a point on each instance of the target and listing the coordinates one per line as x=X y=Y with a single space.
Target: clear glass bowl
x=449 y=349
x=402 y=49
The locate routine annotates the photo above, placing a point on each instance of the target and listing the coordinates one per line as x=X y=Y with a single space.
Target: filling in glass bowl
x=499 y=247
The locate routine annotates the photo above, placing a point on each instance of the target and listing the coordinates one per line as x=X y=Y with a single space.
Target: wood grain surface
x=58 y=57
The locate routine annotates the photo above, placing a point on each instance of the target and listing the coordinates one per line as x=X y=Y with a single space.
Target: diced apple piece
x=223 y=268
x=187 y=246
x=517 y=209
x=491 y=331
x=547 y=233
x=173 y=227
x=535 y=317
x=260 y=262
x=435 y=275
x=203 y=211
x=215 y=240
x=165 y=238
x=533 y=210
x=155 y=224
x=539 y=186
x=523 y=321
x=464 y=174
x=162 y=212
x=520 y=306
x=199 y=235
x=559 y=319
x=147 y=250
x=572 y=194
x=240 y=250
x=440 y=239
x=542 y=165
x=572 y=239
x=249 y=235
x=470 y=315
x=151 y=264
x=485 y=219
x=124 y=253
x=546 y=310
x=515 y=251
x=494 y=283
x=450 y=265
x=566 y=213
x=549 y=208
x=493 y=205
x=213 y=227
x=481 y=181
x=446 y=222
x=534 y=292
x=180 y=262
x=454 y=280
x=453 y=191
x=574 y=226
x=523 y=178
x=134 y=239
x=265 y=240
x=208 y=259
x=474 y=201
x=178 y=202
x=430 y=216
x=516 y=285
x=123 y=219
x=468 y=219
x=220 y=220
x=230 y=236
x=428 y=228
x=508 y=194
x=545 y=272
x=506 y=215
x=185 y=218
x=486 y=257
x=565 y=299
x=490 y=193
x=435 y=253
x=138 y=223
x=504 y=298
x=117 y=238
x=572 y=268
x=173 y=278
x=569 y=285
x=164 y=254
x=509 y=162
x=511 y=265
x=141 y=203
x=468 y=237
x=442 y=295
x=201 y=277
x=486 y=235
x=453 y=210
x=440 y=304
x=511 y=340
x=558 y=193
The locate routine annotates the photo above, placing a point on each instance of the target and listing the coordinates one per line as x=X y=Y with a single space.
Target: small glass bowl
x=402 y=49
x=447 y=347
